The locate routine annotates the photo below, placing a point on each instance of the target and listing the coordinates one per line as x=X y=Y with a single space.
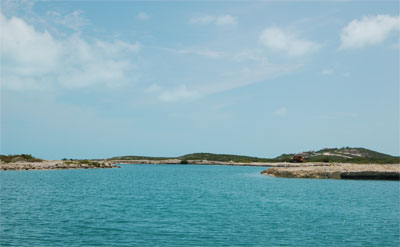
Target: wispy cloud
x=197 y=51
x=175 y=94
x=233 y=74
x=142 y=16
x=225 y=20
x=208 y=19
x=154 y=88
x=229 y=70
x=222 y=20
x=283 y=111
x=73 y=20
x=347 y=74
x=277 y=39
x=369 y=30
x=338 y=115
x=12 y=6
x=327 y=71
x=254 y=55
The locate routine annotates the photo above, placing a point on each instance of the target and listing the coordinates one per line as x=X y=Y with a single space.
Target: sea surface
x=193 y=205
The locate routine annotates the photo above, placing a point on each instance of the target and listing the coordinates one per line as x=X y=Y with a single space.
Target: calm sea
x=178 y=205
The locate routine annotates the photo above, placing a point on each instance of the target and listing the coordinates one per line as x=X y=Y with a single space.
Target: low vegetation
x=339 y=155
x=139 y=158
x=344 y=155
x=88 y=162
x=19 y=158
x=222 y=157
x=82 y=162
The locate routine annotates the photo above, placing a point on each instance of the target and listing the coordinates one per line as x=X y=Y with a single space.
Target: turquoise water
x=173 y=205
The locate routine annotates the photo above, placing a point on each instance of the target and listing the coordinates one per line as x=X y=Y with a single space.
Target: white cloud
x=202 y=20
x=198 y=51
x=281 y=111
x=73 y=20
x=369 y=30
x=225 y=20
x=277 y=39
x=327 y=72
x=222 y=20
x=176 y=94
x=36 y=60
x=142 y=16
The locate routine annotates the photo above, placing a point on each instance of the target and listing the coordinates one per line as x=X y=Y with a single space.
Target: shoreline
x=279 y=169
x=339 y=171
x=55 y=165
x=76 y=164
x=189 y=162
x=210 y=162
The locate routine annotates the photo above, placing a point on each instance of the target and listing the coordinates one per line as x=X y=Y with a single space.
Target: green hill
x=345 y=154
x=222 y=157
x=133 y=157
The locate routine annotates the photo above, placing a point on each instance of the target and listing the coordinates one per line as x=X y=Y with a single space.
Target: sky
x=97 y=79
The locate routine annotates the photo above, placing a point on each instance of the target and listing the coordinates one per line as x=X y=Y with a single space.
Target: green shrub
x=88 y=162
x=19 y=157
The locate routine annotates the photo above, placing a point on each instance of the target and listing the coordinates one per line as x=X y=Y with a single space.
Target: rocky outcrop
x=56 y=164
x=338 y=171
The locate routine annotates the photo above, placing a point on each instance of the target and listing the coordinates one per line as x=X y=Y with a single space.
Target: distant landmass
x=336 y=163
x=340 y=155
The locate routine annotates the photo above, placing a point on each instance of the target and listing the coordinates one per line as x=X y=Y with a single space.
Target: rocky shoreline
x=282 y=169
x=209 y=162
x=92 y=164
x=55 y=164
x=338 y=171
x=186 y=162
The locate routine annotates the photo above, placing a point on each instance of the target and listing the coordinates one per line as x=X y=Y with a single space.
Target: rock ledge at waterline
x=55 y=164
x=338 y=171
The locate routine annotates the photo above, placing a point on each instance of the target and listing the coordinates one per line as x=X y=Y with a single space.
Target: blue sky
x=94 y=79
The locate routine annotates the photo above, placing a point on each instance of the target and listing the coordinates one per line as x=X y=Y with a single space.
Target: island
x=28 y=162
x=340 y=163
x=337 y=163
x=337 y=171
